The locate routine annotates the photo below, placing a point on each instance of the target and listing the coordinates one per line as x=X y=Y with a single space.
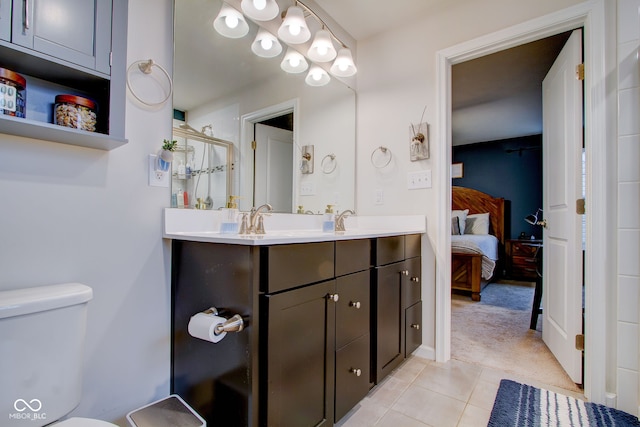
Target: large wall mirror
x=304 y=156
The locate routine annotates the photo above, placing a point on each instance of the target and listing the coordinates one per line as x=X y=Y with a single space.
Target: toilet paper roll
x=203 y=326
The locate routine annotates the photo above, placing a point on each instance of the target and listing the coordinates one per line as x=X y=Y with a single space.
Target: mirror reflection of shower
x=202 y=169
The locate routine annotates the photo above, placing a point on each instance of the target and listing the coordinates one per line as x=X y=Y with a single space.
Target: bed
x=476 y=258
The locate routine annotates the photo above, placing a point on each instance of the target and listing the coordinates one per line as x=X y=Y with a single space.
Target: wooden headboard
x=479 y=202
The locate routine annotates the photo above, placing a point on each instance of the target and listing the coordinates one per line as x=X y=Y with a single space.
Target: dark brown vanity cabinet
x=314 y=314
x=397 y=289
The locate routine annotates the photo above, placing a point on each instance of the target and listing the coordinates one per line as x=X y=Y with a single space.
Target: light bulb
x=342 y=66
x=294 y=61
x=231 y=21
x=322 y=50
x=294 y=30
x=316 y=76
x=266 y=44
x=260 y=4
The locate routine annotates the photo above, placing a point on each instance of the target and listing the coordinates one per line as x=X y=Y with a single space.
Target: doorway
x=591 y=16
x=505 y=161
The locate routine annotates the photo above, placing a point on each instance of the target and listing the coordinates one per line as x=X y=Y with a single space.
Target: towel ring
x=384 y=152
x=326 y=166
x=146 y=67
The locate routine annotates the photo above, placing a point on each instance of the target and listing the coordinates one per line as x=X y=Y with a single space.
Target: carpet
x=521 y=405
x=495 y=333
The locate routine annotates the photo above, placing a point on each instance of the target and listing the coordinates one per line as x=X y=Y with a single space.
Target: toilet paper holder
x=233 y=324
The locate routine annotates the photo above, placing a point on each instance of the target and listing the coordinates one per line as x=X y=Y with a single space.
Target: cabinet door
x=352 y=375
x=389 y=319
x=5 y=20
x=77 y=31
x=298 y=373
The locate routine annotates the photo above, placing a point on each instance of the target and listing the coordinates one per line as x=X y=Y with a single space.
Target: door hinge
x=580 y=342
x=110 y=59
x=580 y=209
x=254 y=144
x=580 y=72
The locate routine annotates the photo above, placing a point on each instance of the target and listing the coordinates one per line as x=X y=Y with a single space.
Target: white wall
x=84 y=215
x=628 y=204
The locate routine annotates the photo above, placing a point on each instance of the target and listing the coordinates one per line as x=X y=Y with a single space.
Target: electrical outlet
x=157 y=178
x=419 y=179
x=379 y=197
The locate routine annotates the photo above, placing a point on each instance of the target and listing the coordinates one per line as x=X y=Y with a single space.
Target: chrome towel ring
x=146 y=67
x=381 y=157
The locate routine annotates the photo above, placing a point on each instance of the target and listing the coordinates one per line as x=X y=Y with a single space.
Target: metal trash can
x=171 y=411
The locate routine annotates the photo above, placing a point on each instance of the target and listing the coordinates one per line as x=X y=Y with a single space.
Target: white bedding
x=484 y=244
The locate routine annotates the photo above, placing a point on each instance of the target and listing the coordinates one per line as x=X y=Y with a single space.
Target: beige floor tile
x=484 y=394
x=363 y=415
x=474 y=416
x=429 y=407
x=411 y=368
x=455 y=380
x=387 y=392
x=396 y=419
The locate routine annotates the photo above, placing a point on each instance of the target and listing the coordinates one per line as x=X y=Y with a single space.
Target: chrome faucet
x=340 y=219
x=253 y=219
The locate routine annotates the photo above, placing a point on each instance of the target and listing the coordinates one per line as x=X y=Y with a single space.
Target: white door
x=562 y=253
x=273 y=178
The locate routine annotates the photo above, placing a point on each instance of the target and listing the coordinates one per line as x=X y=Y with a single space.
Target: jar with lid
x=75 y=112
x=13 y=93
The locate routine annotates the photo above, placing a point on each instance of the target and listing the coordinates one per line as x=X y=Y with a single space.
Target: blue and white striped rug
x=522 y=405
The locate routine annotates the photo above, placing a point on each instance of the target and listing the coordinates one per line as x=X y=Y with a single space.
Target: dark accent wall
x=509 y=168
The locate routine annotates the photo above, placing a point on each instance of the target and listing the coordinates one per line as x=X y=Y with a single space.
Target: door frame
x=245 y=184
x=591 y=16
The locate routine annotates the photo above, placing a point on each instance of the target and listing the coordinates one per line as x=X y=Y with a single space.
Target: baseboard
x=425 y=352
x=611 y=400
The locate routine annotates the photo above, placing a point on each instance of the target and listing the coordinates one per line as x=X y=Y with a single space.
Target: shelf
x=54 y=133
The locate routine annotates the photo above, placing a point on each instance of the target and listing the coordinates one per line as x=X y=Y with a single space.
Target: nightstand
x=521 y=260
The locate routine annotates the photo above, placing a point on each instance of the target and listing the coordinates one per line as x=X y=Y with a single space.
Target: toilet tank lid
x=18 y=302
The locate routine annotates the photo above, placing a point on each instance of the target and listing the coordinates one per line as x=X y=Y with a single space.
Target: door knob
x=405 y=272
x=356 y=372
x=415 y=326
x=355 y=304
x=415 y=279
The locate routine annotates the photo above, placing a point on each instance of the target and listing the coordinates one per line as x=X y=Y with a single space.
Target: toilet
x=42 y=333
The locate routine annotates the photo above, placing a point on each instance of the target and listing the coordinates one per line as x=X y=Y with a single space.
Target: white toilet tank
x=42 y=333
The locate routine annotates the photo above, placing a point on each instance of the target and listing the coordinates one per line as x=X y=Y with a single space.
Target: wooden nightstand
x=521 y=262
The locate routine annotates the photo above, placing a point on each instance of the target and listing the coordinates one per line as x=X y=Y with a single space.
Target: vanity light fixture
x=266 y=45
x=317 y=77
x=230 y=23
x=294 y=62
x=343 y=66
x=294 y=28
x=322 y=49
x=260 y=10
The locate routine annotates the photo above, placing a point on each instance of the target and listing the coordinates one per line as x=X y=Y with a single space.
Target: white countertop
x=204 y=226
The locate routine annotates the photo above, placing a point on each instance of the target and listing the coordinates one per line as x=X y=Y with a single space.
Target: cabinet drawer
x=352 y=256
x=524 y=249
x=352 y=375
x=389 y=250
x=412 y=282
x=413 y=328
x=353 y=308
x=290 y=266
x=412 y=246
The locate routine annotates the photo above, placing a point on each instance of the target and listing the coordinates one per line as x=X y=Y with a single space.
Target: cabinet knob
x=405 y=272
x=415 y=326
x=356 y=371
x=415 y=279
x=333 y=297
x=355 y=304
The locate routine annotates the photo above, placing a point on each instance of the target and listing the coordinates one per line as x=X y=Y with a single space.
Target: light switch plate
x=157 y=178
x=419 y=179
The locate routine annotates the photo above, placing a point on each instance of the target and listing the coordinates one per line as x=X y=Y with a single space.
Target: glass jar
x=75 y=112
x=13 y=93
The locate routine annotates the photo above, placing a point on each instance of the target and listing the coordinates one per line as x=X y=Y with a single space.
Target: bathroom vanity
x=326 y=317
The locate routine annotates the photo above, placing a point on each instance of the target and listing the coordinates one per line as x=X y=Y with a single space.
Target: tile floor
x=422 y=393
